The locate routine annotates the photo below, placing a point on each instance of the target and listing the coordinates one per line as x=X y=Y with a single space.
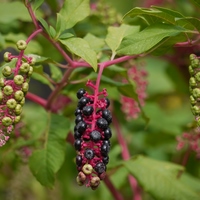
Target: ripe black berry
x=107 y=134
x=88 y=110
x=77 y=144
x=107 y=142
x=89 y=154
x=95 y=136
x=100 y=167
x=106 y=114
x=82 y=102
x=77 y=111
x=77 y=135
x=78 y=160
x=107 y=102
x=80 y=93
x=81 y=127
x=78 y=119
x=104 y=150
x=102 y=123
x=105 y=160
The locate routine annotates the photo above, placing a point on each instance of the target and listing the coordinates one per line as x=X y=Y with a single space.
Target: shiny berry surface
x=88 y=110
x=82 y=102
x=78 y=119
x=102 y=123
x=100 y=167
x=95 y=136
x=78 y=160
x=81 y=126
x=106 y=114
x=89 y=154
x=80 y=93
x=77 y=144
x=107 y=134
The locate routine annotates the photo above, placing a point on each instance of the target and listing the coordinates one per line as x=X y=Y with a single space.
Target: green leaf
x=81 y=48
x=191 y=21
x=150 y=15
x=128 y=90
x=52 y=32
x=41 y=77
x=36 y=4
x=148 y=38
x=44 y=24
x=95 y=43
x=13 y=11
x=116 y=34
x=159 y=178
x=45 y=163
x=71 y=13
x=56 y=73
x=197 y=2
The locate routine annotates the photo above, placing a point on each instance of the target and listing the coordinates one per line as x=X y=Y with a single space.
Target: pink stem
x=36 y=99
x=126 y=156
x=33 y=35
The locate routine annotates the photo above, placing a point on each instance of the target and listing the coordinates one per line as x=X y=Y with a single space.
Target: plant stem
x=36 y=99
x=58 y=88
x=116 y=194
x=126 y=156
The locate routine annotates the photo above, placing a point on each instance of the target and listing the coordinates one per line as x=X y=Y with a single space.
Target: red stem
x=126 y=156
x=36 y=99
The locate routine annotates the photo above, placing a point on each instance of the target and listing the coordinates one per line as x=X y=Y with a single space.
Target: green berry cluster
x=194 y=86
x=14 y=84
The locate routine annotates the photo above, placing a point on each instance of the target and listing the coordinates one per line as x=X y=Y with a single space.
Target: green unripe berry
x=1 y=95
x=192 y=100
x=11 y=103
x=18 y=109
x=79 y=182
x=17 y=119
x=21 y=45
x=7 y=90
x=87 y=169
x=196 y=93
x=25 y=87
x=18 y=79
x=19 y=95
x=82 y=177
x=197 y=76
x=95 y=181
x=30 y=71
x=33 y=61
x=195 y=63
x=6 y=56
x=6 y=121
x=196 y=110
x=24 y=68
x=1 y=81
x=192 y=57
x=22 y=102
x=7 y=71
x=192 y=82
x=191 y=70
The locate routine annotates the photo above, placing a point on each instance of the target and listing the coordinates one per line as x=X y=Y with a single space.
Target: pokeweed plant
x=91 y=70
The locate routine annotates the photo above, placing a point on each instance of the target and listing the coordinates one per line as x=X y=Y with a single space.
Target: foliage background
x=167 y=107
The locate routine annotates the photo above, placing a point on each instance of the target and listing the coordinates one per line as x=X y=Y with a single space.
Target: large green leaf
x=151 y=15
x=13 y=11
x=159 y=178
x=81 y=48
x=116 y=34
x=45 y=163
x=71 y=13
x=148 y=38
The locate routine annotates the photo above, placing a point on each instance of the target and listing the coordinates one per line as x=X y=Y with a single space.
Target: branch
x=36 y=99
x=126 y=156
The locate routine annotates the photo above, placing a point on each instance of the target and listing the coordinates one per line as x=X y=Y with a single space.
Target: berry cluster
x=92 y=134
x=13 y=87
x=194 y=86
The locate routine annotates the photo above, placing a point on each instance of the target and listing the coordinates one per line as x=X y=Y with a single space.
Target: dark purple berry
x=77 y=144
x=83 y=102
x=81 y=127
x=104 y=150
x=78 y=119
x=95 y=136
x=80 y=93
x=77 y=135
x=106 y=114
x=78 y=160
x=107 y=102
x=89 y=154
x=100 y=168
x=107 y=142
x=77 y=111
x=88 y=110
x=102 y=123
x=107 y=134
x=105 y=160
